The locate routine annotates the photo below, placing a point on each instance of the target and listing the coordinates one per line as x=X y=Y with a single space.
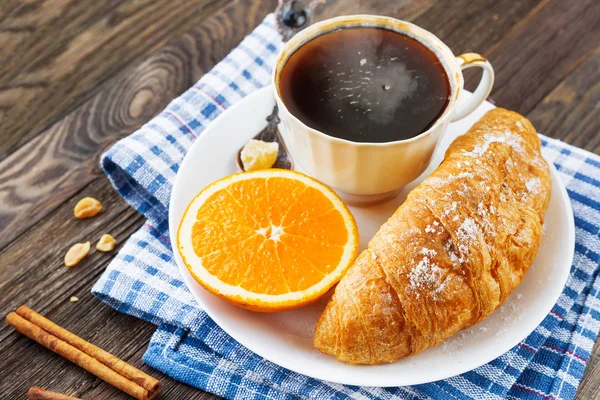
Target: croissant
x=451 y=254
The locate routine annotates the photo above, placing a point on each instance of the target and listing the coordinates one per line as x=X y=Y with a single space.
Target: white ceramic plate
x=285 y=338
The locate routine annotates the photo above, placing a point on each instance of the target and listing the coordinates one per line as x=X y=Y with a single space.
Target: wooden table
x=76 y=76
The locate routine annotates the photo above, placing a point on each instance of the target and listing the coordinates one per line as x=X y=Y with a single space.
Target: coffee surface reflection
x=365 y=85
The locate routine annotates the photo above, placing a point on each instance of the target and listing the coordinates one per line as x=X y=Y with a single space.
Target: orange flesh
x=269 y=235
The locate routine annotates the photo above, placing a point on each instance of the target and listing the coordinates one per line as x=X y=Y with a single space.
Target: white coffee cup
x=372 y=171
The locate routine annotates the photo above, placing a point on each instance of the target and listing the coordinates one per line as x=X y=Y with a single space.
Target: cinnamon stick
x=37 y=393
x=128 y=371
x=73 y=354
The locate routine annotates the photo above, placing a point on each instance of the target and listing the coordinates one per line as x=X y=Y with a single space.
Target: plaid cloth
x=144 y=281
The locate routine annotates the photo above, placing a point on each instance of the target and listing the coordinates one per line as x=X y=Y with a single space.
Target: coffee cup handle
x=471 y=60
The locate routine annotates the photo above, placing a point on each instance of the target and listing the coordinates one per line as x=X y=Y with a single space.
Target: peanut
x=74 y=299
x=76 y=253
x=87 y=208
x=106 y=243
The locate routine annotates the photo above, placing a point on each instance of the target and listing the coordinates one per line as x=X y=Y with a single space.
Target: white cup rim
x=428 y=39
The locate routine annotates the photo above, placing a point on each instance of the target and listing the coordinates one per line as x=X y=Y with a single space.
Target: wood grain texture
x=25 y=362
x=56 y=53
x=571 y=111
x=543 y=50
x=54 y=165
x=589 y=388
x=546 y=55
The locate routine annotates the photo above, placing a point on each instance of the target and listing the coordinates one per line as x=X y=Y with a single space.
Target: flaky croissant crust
x=451 y=254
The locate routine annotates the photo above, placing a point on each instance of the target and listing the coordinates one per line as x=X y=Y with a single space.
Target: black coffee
x=365 y=85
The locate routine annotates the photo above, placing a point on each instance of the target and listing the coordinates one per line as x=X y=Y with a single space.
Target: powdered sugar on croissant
x=451 y=254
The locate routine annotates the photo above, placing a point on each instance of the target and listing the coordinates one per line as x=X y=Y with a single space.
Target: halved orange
x=268 y=240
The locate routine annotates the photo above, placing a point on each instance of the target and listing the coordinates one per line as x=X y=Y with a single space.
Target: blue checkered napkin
x=144 y=281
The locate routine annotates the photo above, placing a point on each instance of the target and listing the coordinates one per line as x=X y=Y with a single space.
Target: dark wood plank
x=589 y=388
x=40 y=280
x=53 y=166
x=37 y=277
x=464 y=25
x=543 y=50
x=406 y=10
x=46 y=71
x=571 y=112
